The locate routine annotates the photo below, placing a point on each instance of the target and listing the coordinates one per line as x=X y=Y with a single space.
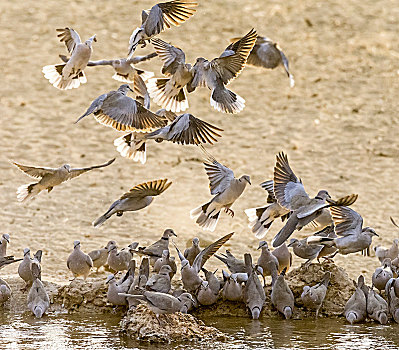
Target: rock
x=142 y=324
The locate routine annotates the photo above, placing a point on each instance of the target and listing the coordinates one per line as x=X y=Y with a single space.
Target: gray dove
x=377 y=307
x=125 y=72
x=226 y=189
x=233 y=264
x=118 y=261
x=189 y=273
x=232 y=289
x=302 y=249
x=122 y=286
x=253 y=294
x=356 y=306
x=391 y=253
x=6 y=260
x=382 y=275
x=24 y=268
x=205 y=295
x=161 y=15
x=166 y=259
x=160 y=282
x=261 y=218
x=283 y=256
x=138 y=285
x=268 y=54
x=191 y=253
x=161 y=303
x=291 y=195
x=138 y=197
x=5 y=291
x=281 y=296
x=313 y=297
x=70 y=75
x=100 y=256
x=393 y=298
x=49 y=178
x=352 y=236
x=267 y=261
x=38 y=300
x=327 y=251
x=213 y=281
x=78 y=262
x=4 y=241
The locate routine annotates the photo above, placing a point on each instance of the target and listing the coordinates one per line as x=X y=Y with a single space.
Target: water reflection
x=64 y=331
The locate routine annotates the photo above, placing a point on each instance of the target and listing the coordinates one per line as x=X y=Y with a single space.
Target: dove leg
x=229 y=212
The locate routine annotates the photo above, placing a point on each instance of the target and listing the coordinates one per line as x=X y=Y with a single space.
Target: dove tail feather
x=54 y=75
x=131 y=149
x=206 y=220
x=28 y=191
x=226 y=101
x=260 y=220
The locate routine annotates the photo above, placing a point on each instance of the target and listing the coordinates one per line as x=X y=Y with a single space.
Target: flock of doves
x=341 y=227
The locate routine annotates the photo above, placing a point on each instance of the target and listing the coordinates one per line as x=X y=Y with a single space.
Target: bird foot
x=327 y=259
x=119 y=213
x=230 y=212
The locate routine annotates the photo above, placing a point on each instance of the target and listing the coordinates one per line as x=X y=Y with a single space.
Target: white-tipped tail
x=259 y=220
x=131 y=149
x=207 y=221
x=28 y=191
x=166 y=95
x=226 y=101
x=317 y=240
x=134 y=40
x=54 y=75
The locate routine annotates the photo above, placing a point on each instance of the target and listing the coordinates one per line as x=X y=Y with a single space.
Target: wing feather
x=151 y=188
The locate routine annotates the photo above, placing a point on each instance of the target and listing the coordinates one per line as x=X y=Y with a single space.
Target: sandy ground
x=339 y=125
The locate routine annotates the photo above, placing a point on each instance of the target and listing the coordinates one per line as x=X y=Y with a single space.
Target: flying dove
x=78 y=262
x=352 y=236
x=377 y=307
x=5 y=291
x=191 y=253
x=356 y=306
x=100 y=256
x=160 y=282
x=122 y=286
x=6 y=260
x=232 y=289
x=216 y=74
x=313 y=297
x=70 y=75
x=118 y=261
x=261 y=218
x=268 y=54
x=49 y=178
x=382 y=275
x=233 y=264
x=38 y=299
x=327 y=251
x=161 y=303
x=155 y=250
x=4 y=241
x=291 y=194
x=189 y=273
x=205 y=295
x=281 y=296
x=161 y=15
x=267 y=261
x=393 y=298
x=166 y=259
x=138 y=197
x=302 y=249
x=253 y=294
x=283 y=256
x=125 y=72
x=226 y=189
x=391 y=253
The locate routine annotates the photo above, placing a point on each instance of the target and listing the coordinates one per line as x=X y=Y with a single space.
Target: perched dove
x=38 y=299
x=391 y=253
x=267 y=261
x=191 y=253
x=382 y=275
x=205 y=295
x=138 y=197
x=283 y=256
x=50 y=177
x=356 y=306
x=70 y=75
x=281 y=296
x=5 y=291
x=166 y=259
x=212 y=279
x=161 y=15
x=160 y=282
x=352 y=237
x=302 y=249
x=232 y=289
x=233 y=264
x=216 y=74
x=78 y=262
x=377 y=307
x=118 y=261
x=253 y=294
x=393 y=298
x=100 y=256
x=226 y=189
x=122 y=286
x=291 y=194
x=313 y=297
x=261 y=218
x=189 y=273
x=24 y=268
x=4 y=241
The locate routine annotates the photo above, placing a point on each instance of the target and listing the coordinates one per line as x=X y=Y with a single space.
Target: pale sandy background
x=339 y=125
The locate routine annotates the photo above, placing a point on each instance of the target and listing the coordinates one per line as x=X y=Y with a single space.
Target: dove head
x=351 y=317
x=168 y=233
x=323 y=195
x=165 y=253
x=133 y=245
x=124 y=88
x=26 y=251
x=195 y=242
x=287 y=312
x=6 y=237
x=245 y=178
x=293 y=242
x=204 y=285
x=110 y=243
x=112 y=247
x=3 y=289
x=109 y=278
x=396 y=241
x=76 y=244
x=263 y=244
x=255 y=312
x=89 y=41
x=165 y=270
x=67 y=167
x=382 y=317
x=370 y=232
x=38 y=311
x=306 y=290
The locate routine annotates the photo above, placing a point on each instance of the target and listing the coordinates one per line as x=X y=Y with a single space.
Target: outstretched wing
x=151 y=188
x=346 y=221
x=269 y=187
x=169 y=54
x=74 y=172
x=70 y=37
x=35 y=172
